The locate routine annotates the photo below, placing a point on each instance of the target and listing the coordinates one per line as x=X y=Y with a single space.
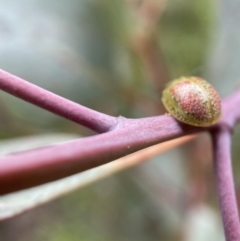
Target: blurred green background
x=116 y=56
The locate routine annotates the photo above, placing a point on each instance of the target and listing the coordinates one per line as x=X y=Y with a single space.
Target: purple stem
x=35 y=167
x=20 y=88
x=23 y=170
x=225 y=185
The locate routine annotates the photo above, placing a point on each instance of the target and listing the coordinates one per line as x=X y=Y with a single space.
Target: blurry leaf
x=16 y=203
x=185 y=33
x=224 y=61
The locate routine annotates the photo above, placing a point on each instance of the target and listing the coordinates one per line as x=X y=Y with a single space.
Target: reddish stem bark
x=225 y=185
x=22 y=89
x=24 y=170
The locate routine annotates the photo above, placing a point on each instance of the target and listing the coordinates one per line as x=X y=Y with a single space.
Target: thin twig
x=225 y=184
x=20 y=88
x=23 y=170
x=145 y=44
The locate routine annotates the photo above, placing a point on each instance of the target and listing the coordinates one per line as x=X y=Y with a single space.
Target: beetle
x=193 y=101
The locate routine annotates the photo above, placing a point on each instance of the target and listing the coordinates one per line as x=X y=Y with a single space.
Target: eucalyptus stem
x=225 y=185
x=31 y=93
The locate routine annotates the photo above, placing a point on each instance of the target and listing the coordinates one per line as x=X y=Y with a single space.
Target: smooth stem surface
x=35 y=167
x=225 y=184
x=30 y=168
x=124 y=136
x=31 y=93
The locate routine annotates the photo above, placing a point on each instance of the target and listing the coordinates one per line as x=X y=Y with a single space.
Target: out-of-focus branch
x=225 y=185
x=145 y=43
x=20 y=88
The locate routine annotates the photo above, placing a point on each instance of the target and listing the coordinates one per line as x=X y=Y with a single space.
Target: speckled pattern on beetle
x=193 y=101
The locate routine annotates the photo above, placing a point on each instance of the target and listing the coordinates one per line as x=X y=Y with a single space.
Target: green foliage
x=185 y=33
